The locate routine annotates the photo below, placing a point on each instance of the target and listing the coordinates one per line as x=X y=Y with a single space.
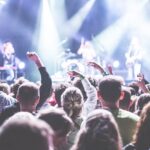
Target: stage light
x=21 y=65
x=48 y=41
x=116 y=64
x=73 y=25
x=130 y=21
x=2 y=2
x=109 y=38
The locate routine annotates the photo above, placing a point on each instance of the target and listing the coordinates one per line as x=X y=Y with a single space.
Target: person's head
x=141 y=101
x=24 y=132
x=135 y=87
x=98 y=132
x=60 y=123
x=5 y=88
x=125 y=102
x=109 y=89
x=16 y=84
x=58 y=90
x=8 y=48
x=28 y=95
x=72 y=101
x=142 y=135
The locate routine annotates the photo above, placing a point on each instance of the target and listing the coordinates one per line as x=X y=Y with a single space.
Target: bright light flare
x=74 y=24
x=48 y=38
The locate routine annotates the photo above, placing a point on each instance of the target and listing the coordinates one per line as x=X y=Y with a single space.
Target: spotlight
x=21 y=65
x=2 y=2
x=116 y=64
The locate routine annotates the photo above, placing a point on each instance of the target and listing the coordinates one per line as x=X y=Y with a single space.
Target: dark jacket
x=45 y=88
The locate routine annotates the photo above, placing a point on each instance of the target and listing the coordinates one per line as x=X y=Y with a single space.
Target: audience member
x=58 y=90
x=125 y=102
x=99 y=132
x=142 y=135
x=88 y=91
x=16 y=84
x=72 y=103
x=6 y=101
x=5 y=88
x=60 y=123
x=43 y=91
x=110 y=92
x=23 y=132
x=141 y=102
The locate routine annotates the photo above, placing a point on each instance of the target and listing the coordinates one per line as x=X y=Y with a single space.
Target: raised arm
x=91 y=101
x=46 y=82
x=98 y=67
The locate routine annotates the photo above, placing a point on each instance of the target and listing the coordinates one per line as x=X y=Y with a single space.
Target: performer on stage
x=88 y=54
x=87 y=51
x=133 y=59
x=8 y=61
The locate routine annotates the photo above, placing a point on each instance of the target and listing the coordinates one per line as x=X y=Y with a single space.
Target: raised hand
x=73 y=73
x=97 y=66
x=34 y=57
x=141 y=83
x=109 y=67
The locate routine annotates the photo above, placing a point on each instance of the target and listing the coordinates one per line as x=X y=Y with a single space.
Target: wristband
x=82 y=77
x=105 y=73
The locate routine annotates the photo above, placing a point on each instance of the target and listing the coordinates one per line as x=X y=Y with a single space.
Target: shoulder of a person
x=128 y=114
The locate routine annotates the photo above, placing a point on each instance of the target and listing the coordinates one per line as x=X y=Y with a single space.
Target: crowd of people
x=83 y=113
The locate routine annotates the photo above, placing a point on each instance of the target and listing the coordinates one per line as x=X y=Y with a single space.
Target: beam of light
x=109 y=39
x=73 y=25
x=58 y=10
x=48 y=37
x=2 y=2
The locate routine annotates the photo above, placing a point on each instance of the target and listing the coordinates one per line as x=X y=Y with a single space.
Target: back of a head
x=143 y=99
x=5 y=88
x=135 y=87
x=59 y=89
x=17 y=84
x=28 y=93
x=99 y=132
x=142 y=134
x=22 y=132
x=58 y=120
x=72 y=101
x=110 y=88
x=125 y=102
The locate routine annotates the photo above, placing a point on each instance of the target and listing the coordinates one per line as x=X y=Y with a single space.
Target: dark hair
x=99 y=132
x=58 y=120
x=16 y=84
x=142 y=135
x=110 y=88
x=126 y=101
x=25 y=133
x=59 y=89
x=28 y=92
x=135 y=87
x=143 y=99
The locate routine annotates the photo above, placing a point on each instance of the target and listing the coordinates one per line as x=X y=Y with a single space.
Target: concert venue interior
x=74 y=75
x=55 y=29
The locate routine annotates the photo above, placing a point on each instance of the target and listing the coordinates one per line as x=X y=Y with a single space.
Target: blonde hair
x=72 y=101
